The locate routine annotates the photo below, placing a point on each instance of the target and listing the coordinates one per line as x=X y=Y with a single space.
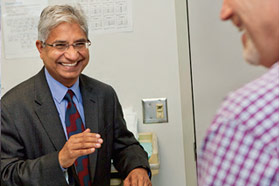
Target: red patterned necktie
x=74 y=126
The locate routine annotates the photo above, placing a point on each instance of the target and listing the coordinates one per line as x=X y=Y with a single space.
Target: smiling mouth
x=69 y=64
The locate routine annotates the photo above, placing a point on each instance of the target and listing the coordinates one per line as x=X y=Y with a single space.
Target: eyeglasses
x=78 y=46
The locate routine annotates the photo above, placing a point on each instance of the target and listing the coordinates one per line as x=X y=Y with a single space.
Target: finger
x=91 y=138
x=87 y=133
x=83 y=145
x=147 y=183
x=86 y=130
x=77 y=153
x=85 y=138
x=133 y=181
x=140 y=182
x=127 y=181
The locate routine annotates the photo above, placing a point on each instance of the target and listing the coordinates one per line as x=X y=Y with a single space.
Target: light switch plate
x=155 y=110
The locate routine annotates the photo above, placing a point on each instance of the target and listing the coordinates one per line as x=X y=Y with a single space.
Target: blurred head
x=257 y=20
x=63 y=42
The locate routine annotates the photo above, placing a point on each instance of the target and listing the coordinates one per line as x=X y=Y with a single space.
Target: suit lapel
x=90 y=106
x=48 y=115
x=46 y=111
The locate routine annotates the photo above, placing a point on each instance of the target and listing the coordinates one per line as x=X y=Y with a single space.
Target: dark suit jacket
x=32 y=134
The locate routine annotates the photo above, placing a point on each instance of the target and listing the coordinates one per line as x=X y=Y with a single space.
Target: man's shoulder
x=24 y=91
x=263 y=88
x=21 y=90
x=96 y=85
x=262 y=83
x=252 y=104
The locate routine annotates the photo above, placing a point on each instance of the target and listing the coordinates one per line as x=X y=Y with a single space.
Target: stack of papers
x=131 y=120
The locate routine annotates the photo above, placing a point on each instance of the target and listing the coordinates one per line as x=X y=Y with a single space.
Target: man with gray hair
x=61 y=127
x=241 y=147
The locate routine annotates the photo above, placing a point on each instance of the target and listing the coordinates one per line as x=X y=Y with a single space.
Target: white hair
x=52 y=16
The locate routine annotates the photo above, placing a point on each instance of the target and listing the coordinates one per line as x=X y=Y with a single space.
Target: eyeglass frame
x=54 y=45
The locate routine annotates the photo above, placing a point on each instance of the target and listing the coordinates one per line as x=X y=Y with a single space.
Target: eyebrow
x=59 y=41
x=81 y=40
x=63 y=41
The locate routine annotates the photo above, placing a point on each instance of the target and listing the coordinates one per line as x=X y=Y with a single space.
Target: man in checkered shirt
x=241 y=147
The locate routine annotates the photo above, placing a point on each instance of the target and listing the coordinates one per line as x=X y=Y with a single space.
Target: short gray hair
x=52 y=16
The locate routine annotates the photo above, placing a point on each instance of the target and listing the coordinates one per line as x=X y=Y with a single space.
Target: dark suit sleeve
x=128 y=154
x=16 y=169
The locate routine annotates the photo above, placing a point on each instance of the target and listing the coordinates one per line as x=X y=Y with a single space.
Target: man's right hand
x=79 y=145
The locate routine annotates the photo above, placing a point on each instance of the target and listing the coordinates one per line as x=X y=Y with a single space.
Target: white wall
x=139 y=64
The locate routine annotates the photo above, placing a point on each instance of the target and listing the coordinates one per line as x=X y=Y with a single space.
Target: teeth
x=69 y=64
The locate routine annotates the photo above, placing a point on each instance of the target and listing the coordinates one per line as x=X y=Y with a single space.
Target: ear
x=226 y=11
x=39 y=46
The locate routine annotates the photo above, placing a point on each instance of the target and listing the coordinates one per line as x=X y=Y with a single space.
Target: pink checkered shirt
x=241 y=147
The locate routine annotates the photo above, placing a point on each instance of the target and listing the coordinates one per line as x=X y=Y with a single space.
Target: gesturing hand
x=78 y=145
x=137 y=177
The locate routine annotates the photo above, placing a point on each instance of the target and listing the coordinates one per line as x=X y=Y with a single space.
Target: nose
x=71 y=53
x=226 y=11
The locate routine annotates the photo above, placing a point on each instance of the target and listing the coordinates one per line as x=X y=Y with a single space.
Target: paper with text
x=108 y=16
x=20 y=20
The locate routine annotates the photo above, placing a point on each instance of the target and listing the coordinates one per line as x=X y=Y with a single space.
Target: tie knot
x=69 y=95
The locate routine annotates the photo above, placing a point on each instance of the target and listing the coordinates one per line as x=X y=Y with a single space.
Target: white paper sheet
x=108 y=16
x=131 y=120
x=20 y=20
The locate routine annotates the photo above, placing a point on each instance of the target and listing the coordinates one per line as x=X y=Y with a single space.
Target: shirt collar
x=58 y=90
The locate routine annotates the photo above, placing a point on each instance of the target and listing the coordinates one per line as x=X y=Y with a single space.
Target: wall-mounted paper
x=20 y=20
x=108 y=16
x=131 y=120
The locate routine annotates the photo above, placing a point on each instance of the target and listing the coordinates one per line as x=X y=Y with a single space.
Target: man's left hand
x=137 y=177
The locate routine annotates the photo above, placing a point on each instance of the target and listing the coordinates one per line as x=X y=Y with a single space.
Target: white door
x=217 y=63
